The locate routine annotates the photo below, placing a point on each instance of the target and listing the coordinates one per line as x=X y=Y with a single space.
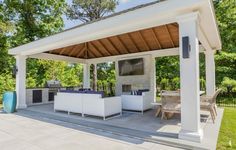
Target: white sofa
x=137 y=102
x=88 y=104
x=70 y=102
x=94 y=105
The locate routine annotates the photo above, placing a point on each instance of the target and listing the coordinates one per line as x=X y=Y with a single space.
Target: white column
x=189 y=76
x=210 y=72
x=95 y=76
x=21 y=82
x=153 y=78
x=86 y=75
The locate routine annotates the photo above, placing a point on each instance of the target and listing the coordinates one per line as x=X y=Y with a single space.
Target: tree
x=226 y=60
x=5 y=28
x=34 y=19
x=89 y=10
x=226 y=17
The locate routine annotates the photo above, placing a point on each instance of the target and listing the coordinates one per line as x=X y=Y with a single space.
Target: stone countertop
x=36 y=88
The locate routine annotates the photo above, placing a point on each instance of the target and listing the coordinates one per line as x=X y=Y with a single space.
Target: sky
x=123 y=4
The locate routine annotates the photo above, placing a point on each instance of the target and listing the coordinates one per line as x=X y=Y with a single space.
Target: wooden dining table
x=177 y=93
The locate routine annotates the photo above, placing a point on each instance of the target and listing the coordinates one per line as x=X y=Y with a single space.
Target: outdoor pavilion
x=155 y=29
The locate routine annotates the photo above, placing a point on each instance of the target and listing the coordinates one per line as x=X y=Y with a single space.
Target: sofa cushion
x=95 y=92
x=140 y=91
x=84 y=92
x=67 y=91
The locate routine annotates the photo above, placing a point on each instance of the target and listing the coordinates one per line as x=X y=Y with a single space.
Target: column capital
x=194 y=16
x=20 y=57
x=209 y=52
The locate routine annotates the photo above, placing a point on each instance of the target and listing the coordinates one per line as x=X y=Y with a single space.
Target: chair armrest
x=112 y=105
x=205 y=98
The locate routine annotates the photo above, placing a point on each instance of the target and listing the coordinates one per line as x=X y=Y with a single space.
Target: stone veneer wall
x=29 y=96
x=147 y=81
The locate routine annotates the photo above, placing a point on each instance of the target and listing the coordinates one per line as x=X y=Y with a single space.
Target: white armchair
x=137 y=102
x=94 y=105
x=70 y=102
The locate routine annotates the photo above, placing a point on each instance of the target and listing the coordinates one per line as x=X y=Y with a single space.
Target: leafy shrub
x=7 y=83
x=228 y=85
x=202 y=84
x=175 y=83
x=164 y=84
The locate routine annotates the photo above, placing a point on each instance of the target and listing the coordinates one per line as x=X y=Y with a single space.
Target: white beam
x=86 y=75
x=150 y=16
x=47 y=56
x=95 y=77
x=210 y=72
x=154 y=53
x=153 y=78
x=189 y=80
x=21 y=81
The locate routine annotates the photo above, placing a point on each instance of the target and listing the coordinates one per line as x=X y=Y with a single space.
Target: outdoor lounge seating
x=87 y=104
x=170 y=104
x=140 y=102
x=208 y=103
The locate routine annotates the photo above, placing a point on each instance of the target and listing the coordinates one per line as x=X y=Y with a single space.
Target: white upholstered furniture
x=70 y=102
x=88 y=104
x=137 y=102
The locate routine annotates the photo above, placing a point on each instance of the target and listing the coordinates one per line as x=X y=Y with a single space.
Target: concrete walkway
x=23 y=133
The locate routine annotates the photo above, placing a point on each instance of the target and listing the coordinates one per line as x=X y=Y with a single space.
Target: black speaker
x=14 y=71
x=186 y=46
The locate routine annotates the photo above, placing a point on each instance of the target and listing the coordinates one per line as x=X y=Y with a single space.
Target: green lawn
x=227 y=135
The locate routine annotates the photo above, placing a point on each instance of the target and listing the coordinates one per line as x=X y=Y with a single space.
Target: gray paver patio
x=38 y=127
x=22 y=133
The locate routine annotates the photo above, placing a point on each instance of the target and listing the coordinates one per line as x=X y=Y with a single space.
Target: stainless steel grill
x=54 y=86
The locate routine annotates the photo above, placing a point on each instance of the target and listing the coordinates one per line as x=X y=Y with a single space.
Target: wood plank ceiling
x=161 y=37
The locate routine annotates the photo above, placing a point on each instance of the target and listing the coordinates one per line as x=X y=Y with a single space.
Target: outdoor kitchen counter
x=37 y=96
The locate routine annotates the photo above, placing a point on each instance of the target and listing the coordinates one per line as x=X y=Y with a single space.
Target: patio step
x=159 y=138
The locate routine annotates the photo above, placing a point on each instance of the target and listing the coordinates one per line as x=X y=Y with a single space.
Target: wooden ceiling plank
x=144 y=41
x=81 y=51
x=62 y=51
x=122 y=43
x=169 y=34
x=90 y=52
x=114 y=47
x=104 y=47
x=156 y=37
x=174 y=25
x=86 y=50
x=133 y=42
x=91 y=44
x=74 y=49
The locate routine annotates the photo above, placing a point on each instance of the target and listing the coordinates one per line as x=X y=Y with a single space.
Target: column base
x=191 y=136
x=21 y=106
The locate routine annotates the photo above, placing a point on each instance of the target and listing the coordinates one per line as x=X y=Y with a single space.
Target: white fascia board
x=209 y=25
x=202 y=38
x=54 y=57
x=154 y=15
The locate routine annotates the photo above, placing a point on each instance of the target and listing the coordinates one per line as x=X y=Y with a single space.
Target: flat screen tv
x=131 y=67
